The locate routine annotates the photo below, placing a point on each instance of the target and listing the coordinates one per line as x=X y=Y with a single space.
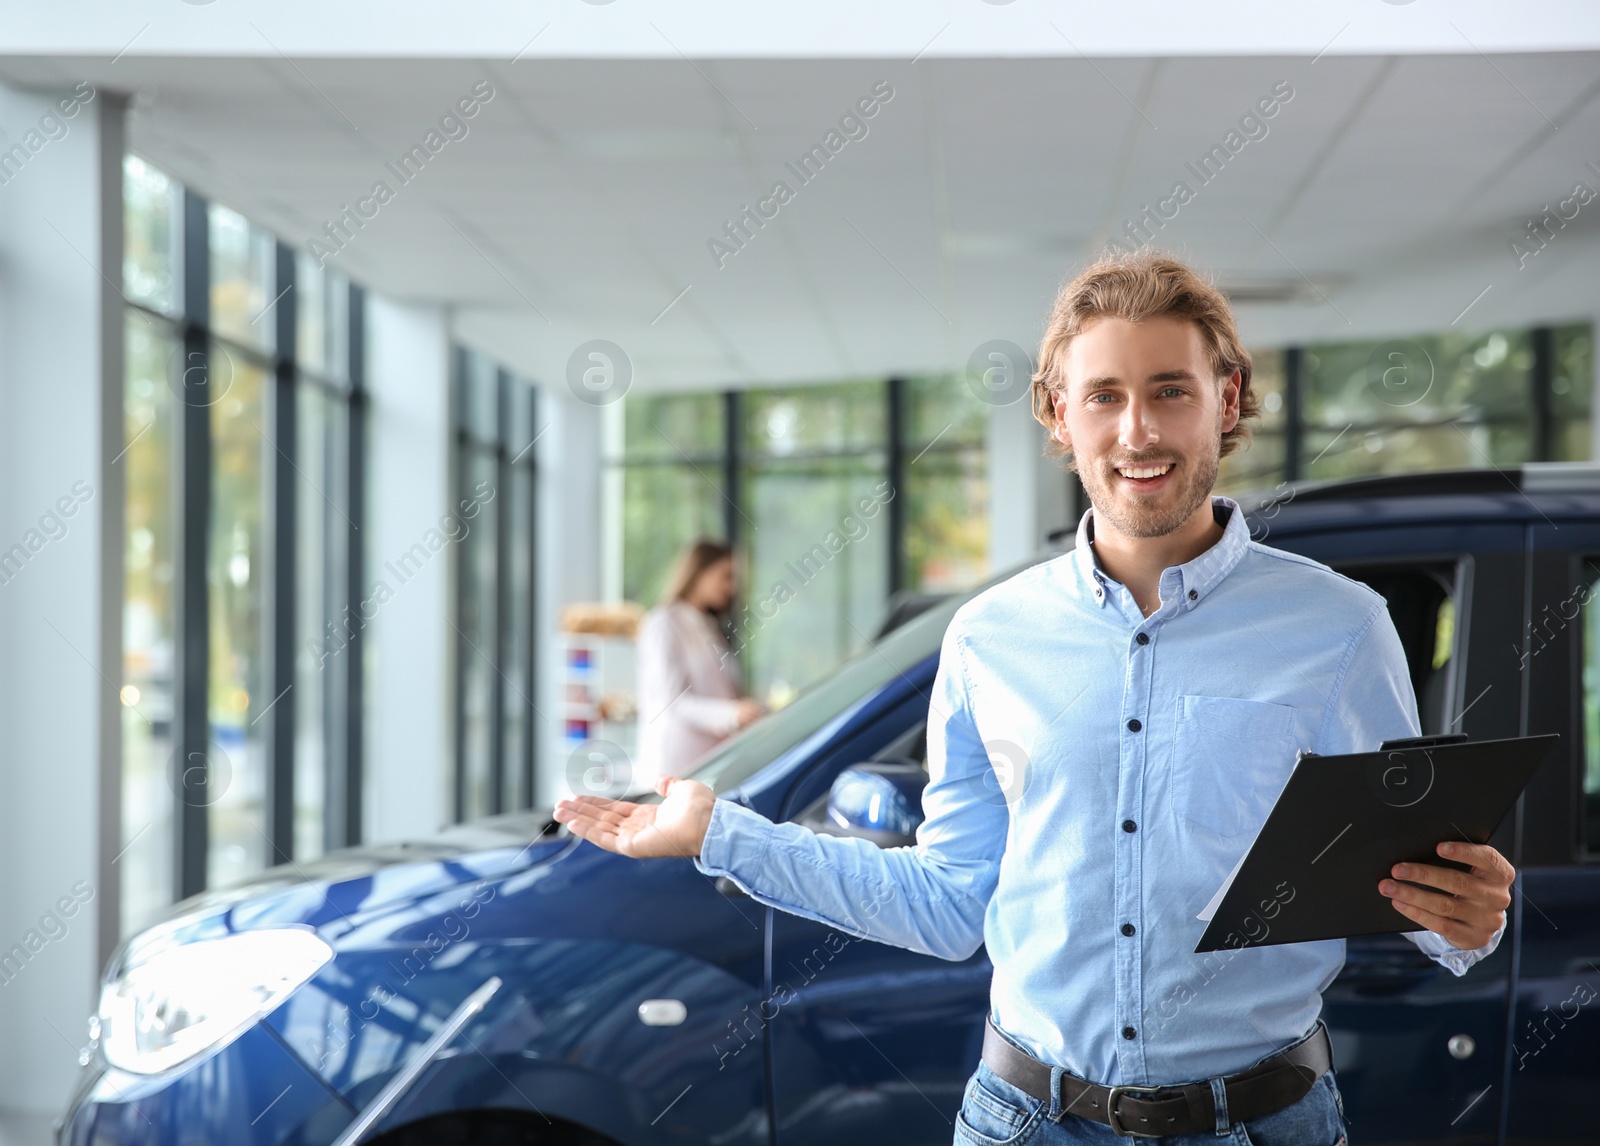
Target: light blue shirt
x=1081 y=781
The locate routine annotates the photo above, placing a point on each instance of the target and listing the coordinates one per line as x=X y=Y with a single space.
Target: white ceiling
x=816 y=29
x=582 y=201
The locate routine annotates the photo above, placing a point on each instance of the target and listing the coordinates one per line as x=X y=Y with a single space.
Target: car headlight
x=188 y=999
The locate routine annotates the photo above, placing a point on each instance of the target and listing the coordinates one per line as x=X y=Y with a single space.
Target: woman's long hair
x=693 y=560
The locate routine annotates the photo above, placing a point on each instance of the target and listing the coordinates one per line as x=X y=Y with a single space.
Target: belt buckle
x=1111 y=1110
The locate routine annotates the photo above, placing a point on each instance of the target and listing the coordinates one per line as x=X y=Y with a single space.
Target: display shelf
x=597 y=689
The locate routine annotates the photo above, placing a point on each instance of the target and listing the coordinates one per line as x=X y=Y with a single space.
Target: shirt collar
x=1194 y=579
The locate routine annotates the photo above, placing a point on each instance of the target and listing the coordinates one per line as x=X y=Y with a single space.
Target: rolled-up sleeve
x=1447 y=954
x=931 y=897
x=1373 y=701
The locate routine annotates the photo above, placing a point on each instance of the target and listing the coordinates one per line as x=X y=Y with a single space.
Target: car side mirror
x=880 y=800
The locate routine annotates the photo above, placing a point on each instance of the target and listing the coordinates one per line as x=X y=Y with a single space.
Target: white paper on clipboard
x=1210 y=909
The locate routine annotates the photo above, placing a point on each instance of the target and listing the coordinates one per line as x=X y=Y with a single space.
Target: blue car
x=506 y=982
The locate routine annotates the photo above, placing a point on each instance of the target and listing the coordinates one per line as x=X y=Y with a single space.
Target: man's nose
x=1138 y=430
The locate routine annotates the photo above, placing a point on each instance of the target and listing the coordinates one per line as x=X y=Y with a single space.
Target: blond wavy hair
x=1136 y=285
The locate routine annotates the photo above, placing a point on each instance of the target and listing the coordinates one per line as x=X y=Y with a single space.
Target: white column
x=60 y=579
x=409 y=647
x=569 y=566
x=1029 y=494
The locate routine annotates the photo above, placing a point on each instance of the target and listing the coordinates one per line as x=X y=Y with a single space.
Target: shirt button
x=1194 y=594
x=1127 y=929
x=1129 y=1032
x=1134 y=726
x=1143 y=638
x=1128 y=825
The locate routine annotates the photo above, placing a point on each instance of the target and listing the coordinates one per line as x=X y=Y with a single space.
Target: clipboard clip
x=1435 y=741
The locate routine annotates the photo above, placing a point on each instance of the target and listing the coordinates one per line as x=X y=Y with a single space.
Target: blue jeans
x=995 y=1113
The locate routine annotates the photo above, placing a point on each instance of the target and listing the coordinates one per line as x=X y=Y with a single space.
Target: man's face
x=1144 y=416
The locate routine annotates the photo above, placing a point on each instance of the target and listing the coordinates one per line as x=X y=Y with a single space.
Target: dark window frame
x=193 y=495
x=510 y=449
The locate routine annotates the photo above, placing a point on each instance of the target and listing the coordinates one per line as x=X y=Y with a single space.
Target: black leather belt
x=1152 y=1111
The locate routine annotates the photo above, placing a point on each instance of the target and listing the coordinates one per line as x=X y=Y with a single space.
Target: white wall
x=570 y=507
x=60 y=429
x=409 y=646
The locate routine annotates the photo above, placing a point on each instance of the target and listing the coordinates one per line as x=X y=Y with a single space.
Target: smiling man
x=1107 y=731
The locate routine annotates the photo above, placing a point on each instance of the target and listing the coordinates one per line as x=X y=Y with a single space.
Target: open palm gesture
x=674 y=827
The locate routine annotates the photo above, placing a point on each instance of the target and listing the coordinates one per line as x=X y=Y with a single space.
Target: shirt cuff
x=1456 y=959
x=736 y=842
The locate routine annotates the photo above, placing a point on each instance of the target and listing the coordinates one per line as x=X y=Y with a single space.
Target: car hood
x=336 y=891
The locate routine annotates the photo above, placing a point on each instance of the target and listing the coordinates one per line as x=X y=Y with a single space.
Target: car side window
x=1589 y=702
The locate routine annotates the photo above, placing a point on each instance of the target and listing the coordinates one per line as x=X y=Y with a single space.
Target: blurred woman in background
x=690 y=694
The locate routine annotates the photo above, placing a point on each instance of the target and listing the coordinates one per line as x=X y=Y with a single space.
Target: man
x=1108 y=730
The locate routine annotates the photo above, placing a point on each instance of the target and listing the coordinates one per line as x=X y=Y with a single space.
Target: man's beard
x=1159 y=518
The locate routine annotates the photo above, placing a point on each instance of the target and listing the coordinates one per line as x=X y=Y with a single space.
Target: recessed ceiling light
x=1268 y=290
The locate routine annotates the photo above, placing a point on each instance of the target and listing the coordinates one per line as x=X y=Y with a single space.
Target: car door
x=875 y=1043
x=1418 y=1052
x=1553 y=1072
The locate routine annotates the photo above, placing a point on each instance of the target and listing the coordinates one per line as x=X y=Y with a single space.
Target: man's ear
x=1058 y=431
x=1231 y=386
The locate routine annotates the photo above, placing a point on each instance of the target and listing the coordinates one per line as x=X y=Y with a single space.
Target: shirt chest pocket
x=1230 y=759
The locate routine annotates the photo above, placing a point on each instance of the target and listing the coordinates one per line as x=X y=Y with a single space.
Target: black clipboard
x=1342 y=822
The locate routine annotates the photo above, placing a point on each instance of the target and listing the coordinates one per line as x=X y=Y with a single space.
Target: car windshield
x=743 y=755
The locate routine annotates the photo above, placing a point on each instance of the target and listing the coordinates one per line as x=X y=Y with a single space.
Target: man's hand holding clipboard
x=1466 y=907
x=1348 y=846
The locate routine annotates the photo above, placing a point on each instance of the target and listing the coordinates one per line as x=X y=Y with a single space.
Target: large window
x=836 y=496
x=491 y=534
x=239 y=403
x=150 y=478
x=1262 y=463
x=1442 y=401
x=236 y=582
x=672 y=488
x=324 y=551
x=946 y=480
x=818 y=565
x=241 y=448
